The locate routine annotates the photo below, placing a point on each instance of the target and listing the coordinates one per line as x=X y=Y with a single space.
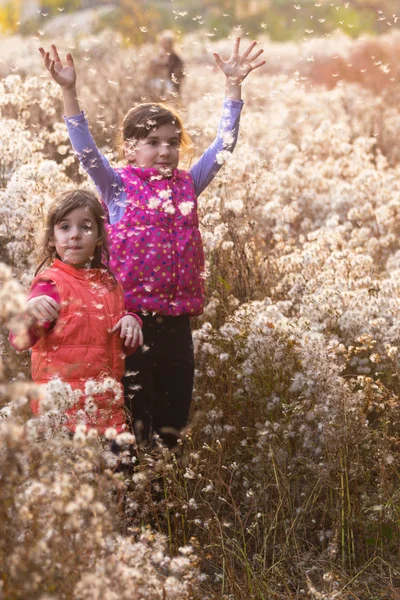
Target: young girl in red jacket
x=75 y=321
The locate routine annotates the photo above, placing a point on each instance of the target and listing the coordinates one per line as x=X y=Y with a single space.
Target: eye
x=63 y=227
x=174 y=143
x=153 y=142
x=87 y=227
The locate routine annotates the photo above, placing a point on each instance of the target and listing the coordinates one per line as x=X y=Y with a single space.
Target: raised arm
x=105 y=178
x=65 y=76
x=211 y=161
x=235 y=69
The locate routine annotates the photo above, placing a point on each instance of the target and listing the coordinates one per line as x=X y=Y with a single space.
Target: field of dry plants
x=289 y=485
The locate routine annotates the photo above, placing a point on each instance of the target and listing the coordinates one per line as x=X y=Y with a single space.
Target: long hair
x=65 y=203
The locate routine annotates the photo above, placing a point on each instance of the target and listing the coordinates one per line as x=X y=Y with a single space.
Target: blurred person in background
x=166 y=70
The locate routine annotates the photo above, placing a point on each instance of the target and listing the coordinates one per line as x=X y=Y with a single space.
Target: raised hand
x=64 y=75
x=238 y=66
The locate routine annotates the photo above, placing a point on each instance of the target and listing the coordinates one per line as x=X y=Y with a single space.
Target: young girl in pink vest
x=75 y=319
x=155 y=242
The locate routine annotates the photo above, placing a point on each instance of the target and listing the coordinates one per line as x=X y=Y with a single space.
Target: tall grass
x=287 y=486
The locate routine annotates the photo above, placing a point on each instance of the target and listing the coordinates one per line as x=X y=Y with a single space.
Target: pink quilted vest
x=156 y=248
x=80 y=346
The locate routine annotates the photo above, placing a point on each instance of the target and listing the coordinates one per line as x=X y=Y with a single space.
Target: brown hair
x=143 y=118
x=65 y=203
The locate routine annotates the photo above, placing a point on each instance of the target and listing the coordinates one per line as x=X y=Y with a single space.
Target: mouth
x=74 y=248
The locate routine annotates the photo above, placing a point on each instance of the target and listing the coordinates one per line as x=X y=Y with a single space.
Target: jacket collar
x=85 y=274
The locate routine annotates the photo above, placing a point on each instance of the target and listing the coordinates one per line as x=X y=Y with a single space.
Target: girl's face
x=159 y=150
x=75 y=237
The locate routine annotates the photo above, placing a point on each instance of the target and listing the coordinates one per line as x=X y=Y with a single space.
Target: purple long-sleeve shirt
x=108 y=180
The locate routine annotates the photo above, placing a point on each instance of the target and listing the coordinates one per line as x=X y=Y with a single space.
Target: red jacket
x=80 y=346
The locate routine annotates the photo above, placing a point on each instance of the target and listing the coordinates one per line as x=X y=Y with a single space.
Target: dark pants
x=158 y=379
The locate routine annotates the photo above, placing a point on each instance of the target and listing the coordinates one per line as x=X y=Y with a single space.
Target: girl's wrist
x=71 y=102
x=233 y=88
x=69 y=90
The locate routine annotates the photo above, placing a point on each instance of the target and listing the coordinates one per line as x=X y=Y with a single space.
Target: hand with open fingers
x=64 y=75
x=43 y=309
x=238 y=66
x=130 y=330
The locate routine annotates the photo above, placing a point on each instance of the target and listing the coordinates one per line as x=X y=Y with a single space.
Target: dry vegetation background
x=289 y=486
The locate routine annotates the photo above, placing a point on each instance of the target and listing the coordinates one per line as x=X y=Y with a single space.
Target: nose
x=75 y=233
x=164 y=149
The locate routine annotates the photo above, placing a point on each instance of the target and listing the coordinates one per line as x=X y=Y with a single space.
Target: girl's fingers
x=52 y=302
x=46 y=315
x=244 y=61
x=41 y=315
x=46 y=309
x=133 y=339
x=218 y=60
x=131 y=333
x=126 y=330
x=249 y=49
x=55 y=53
x=257 y=54
x=134 y=335
x=33 y=313
x=127 y=333
x=70 y=60
x=236 y=45
x=260 y=63
x=52 y=68
x=52 y=312
x=137 y=338
x=116 y=327
x=46 y=59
